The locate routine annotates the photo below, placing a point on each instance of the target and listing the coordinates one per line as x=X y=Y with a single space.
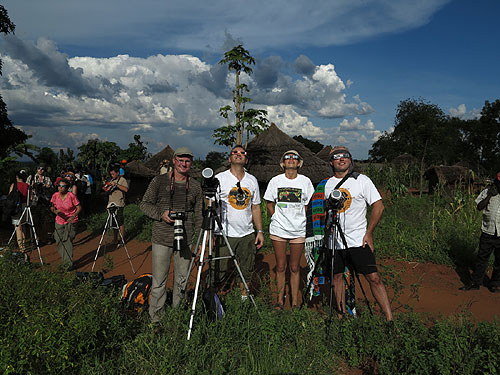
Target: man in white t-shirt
x=358 y=191
x=239 y=206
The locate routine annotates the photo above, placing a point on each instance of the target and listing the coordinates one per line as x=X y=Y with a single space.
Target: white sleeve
x=370 y=191
x=270 y=194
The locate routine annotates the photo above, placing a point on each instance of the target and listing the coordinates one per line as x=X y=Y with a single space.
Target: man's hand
x=368 y=240
x=259 y=240
x=492 y=190
x=166 y=217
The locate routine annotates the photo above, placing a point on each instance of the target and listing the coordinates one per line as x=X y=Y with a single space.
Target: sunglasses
x=291 y=156
x=63 y=186
x=69 y=175
x=234 y=152
x=41 y=168
x=341 y=156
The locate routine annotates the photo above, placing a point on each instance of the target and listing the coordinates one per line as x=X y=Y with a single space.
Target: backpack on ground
x=135 y=297
x=213 y=305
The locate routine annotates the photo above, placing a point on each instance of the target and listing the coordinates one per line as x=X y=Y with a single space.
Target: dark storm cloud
x=267 y=71
x=214 y=80
x=159 y=88
x=304 y=65
x=48 y=65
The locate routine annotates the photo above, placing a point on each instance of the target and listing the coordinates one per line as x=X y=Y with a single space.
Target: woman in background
x=66 y=207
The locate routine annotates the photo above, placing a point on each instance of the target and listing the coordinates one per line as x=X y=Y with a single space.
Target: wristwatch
x=260 y=231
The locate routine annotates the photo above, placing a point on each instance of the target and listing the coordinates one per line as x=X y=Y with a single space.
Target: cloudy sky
x=333 y=71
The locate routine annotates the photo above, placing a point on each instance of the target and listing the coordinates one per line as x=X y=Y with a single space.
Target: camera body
x=112 y=208
x=178 y=218
x=210 y=184
x=335 y=200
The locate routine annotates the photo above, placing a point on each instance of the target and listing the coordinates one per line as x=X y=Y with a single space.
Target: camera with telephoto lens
x=178 y=218
x=210 y=184
x=336 y=200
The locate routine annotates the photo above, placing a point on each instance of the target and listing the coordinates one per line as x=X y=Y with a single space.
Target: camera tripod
x=206 y=235
x=329 y=251
x=112 y=223
x=26 y=214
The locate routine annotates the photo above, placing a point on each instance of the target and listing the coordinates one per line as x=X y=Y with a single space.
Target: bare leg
x=339 y=289
x=280 y=254
x=296 y=251
x=378 y=290
x=21 y=238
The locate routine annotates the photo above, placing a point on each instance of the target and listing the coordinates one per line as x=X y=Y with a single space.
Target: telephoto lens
x=178 y=234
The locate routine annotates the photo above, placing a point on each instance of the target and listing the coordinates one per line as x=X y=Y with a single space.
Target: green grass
x=50 y=326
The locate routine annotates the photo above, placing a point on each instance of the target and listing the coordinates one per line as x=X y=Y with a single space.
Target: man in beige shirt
x=116 y=189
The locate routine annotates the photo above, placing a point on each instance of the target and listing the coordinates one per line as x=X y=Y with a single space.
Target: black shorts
x=361 y=259
x=119 y=216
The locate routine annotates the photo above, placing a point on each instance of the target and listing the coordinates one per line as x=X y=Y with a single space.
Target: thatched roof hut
x=137 y=169
x=155 y=161
x=448 y=176
x=324 y=154
x=265 y=150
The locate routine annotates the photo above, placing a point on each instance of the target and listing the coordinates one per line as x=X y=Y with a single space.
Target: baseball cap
x=183 y=151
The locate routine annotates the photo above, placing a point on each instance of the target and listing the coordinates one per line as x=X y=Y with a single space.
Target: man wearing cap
x=358 y=191
x=116 y=188
x=489 y=242
x=239 y=199
x=167 y=195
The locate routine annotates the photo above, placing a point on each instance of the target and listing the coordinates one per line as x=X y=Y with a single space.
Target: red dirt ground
x=437 y=284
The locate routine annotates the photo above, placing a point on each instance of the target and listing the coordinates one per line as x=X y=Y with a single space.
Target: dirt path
x=437 y=285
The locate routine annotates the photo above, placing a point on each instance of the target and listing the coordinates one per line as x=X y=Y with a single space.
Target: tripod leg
x=193 y=257
x=197 y=286
x=32 y=227
x=123 y=242
x=106 y=226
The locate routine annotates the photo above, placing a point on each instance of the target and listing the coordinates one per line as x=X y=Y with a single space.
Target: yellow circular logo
x=239 y=198
x=348 y=200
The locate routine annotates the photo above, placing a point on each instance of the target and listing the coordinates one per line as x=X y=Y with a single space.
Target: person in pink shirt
x=66 y=207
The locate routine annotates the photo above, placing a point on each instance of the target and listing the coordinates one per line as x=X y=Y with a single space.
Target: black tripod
x=329 y=251
x=28 y=217
x=206 y=235
x=112 y=223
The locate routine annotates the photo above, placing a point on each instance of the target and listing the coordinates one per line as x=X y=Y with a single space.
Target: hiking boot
x=471 y=286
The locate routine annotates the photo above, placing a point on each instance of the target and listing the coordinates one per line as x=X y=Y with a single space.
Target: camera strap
x=172 y=191
x=343 y=180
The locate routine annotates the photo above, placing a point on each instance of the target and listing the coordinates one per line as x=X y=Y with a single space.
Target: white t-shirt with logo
x=290 y=198
x=352 y=216
x=236 y=202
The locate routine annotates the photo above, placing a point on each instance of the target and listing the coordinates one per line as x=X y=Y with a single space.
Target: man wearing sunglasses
x=358 y=192
x=239 y=208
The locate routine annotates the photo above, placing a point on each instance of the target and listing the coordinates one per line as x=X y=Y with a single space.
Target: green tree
x=12 y=139
x=246 y=121
x=482 y=137
x=135 y=151
x=97 y=155
x=314 y=146
x=48 y=157
x=215 y=159
x=423 y=130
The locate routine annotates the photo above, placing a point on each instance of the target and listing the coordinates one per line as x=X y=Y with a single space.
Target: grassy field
x=49 y=325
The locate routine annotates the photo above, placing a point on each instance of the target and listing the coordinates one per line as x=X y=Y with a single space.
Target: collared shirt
x=491 y=214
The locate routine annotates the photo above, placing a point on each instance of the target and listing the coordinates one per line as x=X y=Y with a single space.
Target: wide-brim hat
x=282 y=160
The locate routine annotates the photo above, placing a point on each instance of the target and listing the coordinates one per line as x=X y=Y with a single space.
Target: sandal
x=278 y=306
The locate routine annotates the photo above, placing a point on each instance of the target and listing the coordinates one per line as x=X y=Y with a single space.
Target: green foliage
x=314 y=146
x=215 y=159
x=97 y=155
x=49 y=326
x=246 y=121
x=135 y=151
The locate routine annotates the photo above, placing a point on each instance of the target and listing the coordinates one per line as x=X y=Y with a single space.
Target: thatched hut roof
x=324 y=154
x=266 y=149
x=404 y=159
x=137 y=169
x=446 y=175
x=154 y=162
